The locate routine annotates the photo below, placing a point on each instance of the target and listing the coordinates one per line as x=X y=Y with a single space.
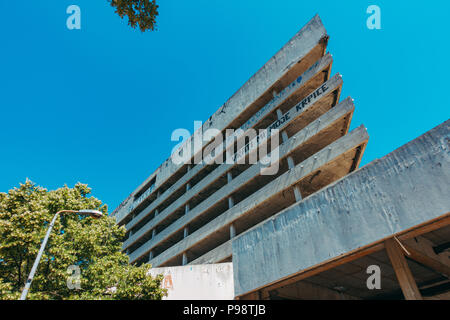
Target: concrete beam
x=389 y=196
x=297 y=88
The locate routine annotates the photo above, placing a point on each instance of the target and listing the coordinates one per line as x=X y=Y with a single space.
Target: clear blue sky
x=98 y=105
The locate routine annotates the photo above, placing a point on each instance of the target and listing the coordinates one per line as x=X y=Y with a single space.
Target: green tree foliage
x=94 y=245
x=140 y=13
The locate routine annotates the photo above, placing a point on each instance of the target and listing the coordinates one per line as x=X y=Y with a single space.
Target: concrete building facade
x=187 y=213
x=275 y=228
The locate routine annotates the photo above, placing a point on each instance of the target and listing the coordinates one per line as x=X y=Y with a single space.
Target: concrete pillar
x=153 y=233
x=186 y=208
x=230 y=199
x=186 y=231
x=232 y=231
x=284 y=135
x=297 y=194
x=230 y=202
x=290 y=160
x=185 y=260
x=150 y=256
x=229 y=176
x=156 y=212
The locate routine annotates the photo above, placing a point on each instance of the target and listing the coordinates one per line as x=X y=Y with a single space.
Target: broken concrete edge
x=351 y=213
x=299 y=46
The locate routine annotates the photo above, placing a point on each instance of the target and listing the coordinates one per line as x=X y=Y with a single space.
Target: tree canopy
x=140 y=13
x=93 y=246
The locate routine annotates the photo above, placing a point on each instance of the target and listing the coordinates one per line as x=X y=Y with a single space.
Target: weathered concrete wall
x=297 y=48
x=198 y=282
x=408 y=187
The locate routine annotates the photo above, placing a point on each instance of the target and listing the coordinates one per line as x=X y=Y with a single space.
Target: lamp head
x=93 y=213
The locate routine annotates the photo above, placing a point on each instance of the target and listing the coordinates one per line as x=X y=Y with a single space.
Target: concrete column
x=150 y=256
x=291 y=163
x=131 y=233
x=230 y=199
x=290 y=160
x=230 y=202
x=229 y=177
x=185 y=260
x=232 y=231
x=158 y=194
x=186 y=231
x=153 y=233
x=188 y=185
x=284 y=135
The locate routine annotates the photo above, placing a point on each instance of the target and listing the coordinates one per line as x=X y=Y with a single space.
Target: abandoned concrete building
x=312 y=229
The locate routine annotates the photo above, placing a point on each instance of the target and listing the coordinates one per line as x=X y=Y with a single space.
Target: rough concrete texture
x=285 y=59
x=406 y=188
x=199 y=282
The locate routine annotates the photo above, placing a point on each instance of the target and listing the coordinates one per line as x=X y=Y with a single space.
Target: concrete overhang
x=307 y=110
x=301 y=52
x=325 y=166
x=402 y=192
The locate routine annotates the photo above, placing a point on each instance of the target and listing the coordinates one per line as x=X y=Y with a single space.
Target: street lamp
x=93 y=213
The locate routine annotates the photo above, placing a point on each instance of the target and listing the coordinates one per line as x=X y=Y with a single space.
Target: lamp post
x=93 y=213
